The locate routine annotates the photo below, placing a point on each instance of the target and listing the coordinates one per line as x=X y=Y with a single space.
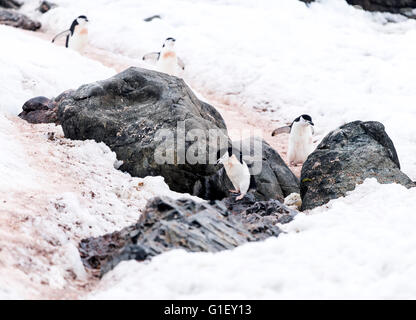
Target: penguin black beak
x=311 y=123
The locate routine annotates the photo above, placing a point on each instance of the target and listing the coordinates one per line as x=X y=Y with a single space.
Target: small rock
x=45 y=6
x=293 y=201
x=156 y=16
x=39 y=110
x=168 y=224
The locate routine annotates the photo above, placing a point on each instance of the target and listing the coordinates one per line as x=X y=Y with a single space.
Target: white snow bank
x=32 y=67
x=360 y=246
x=331 y=60
x=78 y=194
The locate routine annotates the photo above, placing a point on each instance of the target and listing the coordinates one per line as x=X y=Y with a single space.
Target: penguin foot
x=241 y=196
x=234 y=191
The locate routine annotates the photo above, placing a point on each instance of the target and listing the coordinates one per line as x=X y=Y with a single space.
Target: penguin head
x=229 y=156
x=225 y=157
x=304 y=120
x=82 y=20
x=169 y=43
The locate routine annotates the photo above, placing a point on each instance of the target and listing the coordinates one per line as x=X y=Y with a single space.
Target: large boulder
x=272 y=177
x=18 y=20
x=133 y=111
x=346 y=157
x=168 y=224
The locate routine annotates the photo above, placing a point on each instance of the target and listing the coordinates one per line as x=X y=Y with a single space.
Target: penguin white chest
x=79 y=40
x=168 y=63
x=300 y=144
x=238 y=173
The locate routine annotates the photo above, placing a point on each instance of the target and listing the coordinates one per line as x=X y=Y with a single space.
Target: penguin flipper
x=63 y=33
x=151 y=57
x=181 y=64
x=285 y=129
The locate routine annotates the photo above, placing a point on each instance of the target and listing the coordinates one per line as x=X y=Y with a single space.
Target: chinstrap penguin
x=166 y=60
x=77 y=35
x=237 y=171
x=300 y=139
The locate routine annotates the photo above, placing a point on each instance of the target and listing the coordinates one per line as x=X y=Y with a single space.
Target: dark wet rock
x=346 y=157
x=42 y=109
x=18 y=20
x=274 y=181
x=45 y=6
x=259 y=213
x=10 y=4
x=393 y=6
x=156 y=16
x=39 y=110
x=127 y=111
x=170 y=224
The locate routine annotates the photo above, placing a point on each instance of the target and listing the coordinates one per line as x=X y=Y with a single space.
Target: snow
x=357 y=247
x=329 y=60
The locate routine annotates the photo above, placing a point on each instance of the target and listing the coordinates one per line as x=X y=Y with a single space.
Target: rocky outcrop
x=346 y=157
x=167 y=224
x=41 y=109
x=131 y=112
x=394 y=6
x=18 y=20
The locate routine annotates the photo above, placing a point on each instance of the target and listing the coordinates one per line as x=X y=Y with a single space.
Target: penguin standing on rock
x=77 y=35
x=300 y=139
x=238 y=173
x=166 y=60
